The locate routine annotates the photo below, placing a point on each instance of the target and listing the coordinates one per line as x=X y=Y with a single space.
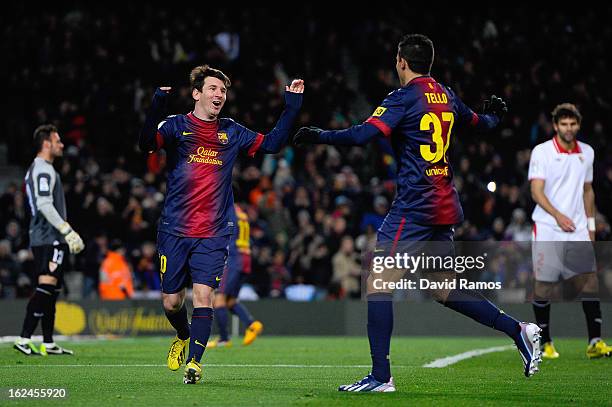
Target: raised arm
x=157 y=111
x=273 y=141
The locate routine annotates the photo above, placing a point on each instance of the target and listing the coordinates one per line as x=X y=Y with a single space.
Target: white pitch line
x=77 y=338
x=438 y=363
x=449 y=360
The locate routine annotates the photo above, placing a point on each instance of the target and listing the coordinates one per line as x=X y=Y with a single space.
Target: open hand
x=306 y=135
x=495 y=106
x=297 y=86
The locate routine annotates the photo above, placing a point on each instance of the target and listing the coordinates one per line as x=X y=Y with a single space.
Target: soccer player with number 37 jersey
x=197 y=219
x=420 y=119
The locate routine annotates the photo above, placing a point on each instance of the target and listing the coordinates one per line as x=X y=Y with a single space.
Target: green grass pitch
x=306 y=371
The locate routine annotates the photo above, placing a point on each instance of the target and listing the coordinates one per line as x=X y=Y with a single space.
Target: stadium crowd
x=313 y=211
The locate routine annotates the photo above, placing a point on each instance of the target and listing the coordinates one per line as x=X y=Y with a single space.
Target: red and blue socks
x=474 y=305
x=201 y=322
x=221 y=317
x=380 y=327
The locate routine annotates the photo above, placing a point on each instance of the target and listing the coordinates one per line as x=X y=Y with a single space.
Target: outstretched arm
x=492 y=114
x=277 y=138
x=381 y=123
x=353 y=136
x=157 y=111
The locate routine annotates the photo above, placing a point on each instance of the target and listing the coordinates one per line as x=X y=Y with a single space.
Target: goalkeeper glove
x=74 y=241
x=307 y=135
x=495 y=106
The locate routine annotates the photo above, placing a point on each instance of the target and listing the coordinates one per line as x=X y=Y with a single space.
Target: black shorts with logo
x=49 y=260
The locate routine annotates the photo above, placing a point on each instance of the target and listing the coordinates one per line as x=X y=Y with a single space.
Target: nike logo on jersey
x=186 y=133
x=218 y=279
x=198 y=343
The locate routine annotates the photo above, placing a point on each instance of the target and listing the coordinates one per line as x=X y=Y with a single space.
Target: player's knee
x=588 y=285
x=202 y=296
x=221 y=300
x=230 y=302
x=172 y=303
x=440 y=296
x=47 y=280
x=202 y=301
x=542 y=291
x=592 y=284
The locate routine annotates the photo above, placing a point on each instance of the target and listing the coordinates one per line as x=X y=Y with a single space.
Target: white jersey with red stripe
x=564 y=173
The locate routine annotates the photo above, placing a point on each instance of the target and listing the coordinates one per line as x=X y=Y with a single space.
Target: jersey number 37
x=435 y=153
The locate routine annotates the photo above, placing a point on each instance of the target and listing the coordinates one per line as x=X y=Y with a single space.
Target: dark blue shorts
x=203 y=258
x=238 y=265
x=397 y=228
x=398 y=235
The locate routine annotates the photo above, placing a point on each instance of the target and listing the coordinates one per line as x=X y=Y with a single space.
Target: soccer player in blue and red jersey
x=197 y=219
x=236 y=271
x=419 y=119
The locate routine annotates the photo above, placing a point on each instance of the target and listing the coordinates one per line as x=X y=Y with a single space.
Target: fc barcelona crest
x=222 y=136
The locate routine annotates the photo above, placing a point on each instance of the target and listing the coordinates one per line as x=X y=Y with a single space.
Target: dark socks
x=474 y=305
x=380 y=327
x=592 y=312
x=179 y=321
x=541 y=309
x=48 y=320
x=39 y=303
x=245 y=317
x=221 y=318
x=201 y=322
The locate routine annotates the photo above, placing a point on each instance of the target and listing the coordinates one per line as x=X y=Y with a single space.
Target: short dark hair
x=200 y=73
x=565 y=110
x=418 y=51
x=43 y=133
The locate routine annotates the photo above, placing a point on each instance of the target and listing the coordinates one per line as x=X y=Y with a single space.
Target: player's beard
x=56 y=153
x=568 y=137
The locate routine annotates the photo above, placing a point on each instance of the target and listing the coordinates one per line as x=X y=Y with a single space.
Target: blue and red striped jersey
x=420 y=119
x=200 y=156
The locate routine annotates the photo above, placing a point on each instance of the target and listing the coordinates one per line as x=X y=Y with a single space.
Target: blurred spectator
x=95 y=253
x=16 y=236
x=9 y=270
x=375 y=219
x=347 y=271
x=279 y=275
x=115 y=275
x=146 y=270
x=519 y=230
